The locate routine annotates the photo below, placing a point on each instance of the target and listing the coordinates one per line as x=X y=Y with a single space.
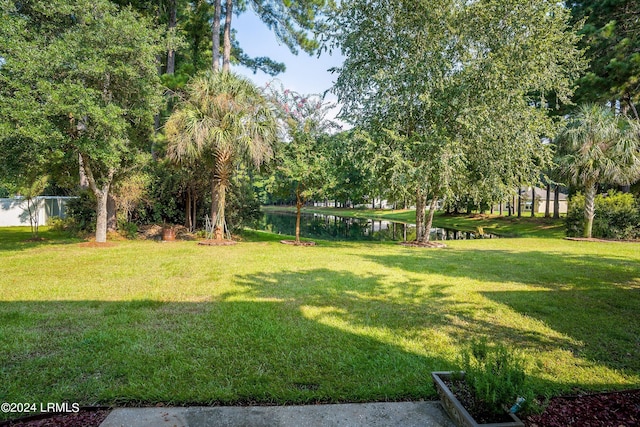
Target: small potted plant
x=489 y=389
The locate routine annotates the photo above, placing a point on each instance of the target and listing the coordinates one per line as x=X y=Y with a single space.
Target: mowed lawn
x=144 y=322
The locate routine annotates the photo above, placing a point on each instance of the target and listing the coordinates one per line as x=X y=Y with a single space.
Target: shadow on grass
x=18 y=238
x=214 y=352
x=605 y=323
x=553 y=270
x=594 y=300
x=309 y=336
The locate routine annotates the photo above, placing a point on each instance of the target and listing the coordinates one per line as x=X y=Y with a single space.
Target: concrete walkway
x=406 y=414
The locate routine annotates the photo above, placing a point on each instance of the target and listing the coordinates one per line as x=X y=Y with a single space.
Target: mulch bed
x=610 y=409
x=213 y=242
x=424 y=245
x=84 y=418
x=294 y=243
x=593 y=239
x=614 y=409
x=94 y=244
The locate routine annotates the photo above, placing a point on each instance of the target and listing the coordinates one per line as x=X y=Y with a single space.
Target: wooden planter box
x=456 y=411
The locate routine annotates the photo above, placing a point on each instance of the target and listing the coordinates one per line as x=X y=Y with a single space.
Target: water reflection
x=332 y=227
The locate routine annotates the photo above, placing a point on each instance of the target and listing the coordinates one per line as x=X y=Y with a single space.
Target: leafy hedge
x=617 y=216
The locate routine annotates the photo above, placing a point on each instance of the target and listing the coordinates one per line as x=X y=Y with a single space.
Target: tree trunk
x=432 y=211
x=421 y=202
x=500 y=208
x=215 y=36
x=102 y=195
x=519 y=202
x=589 y=207
x=221 y=176
x=187 y=214
x=220 y=224
x=194 y=211
x=226 y=55
x=112 y=221
x=84 y=183
x=633 y=107
x=101 y=216
x=547 y=213
x=173 y=21
x=533 y=201
x=556 y=202
x=214 y=201
x=299 y=204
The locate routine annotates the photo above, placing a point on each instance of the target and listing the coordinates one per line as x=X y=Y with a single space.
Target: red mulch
x=83 y=418
x=614 y=409
x=294 y=243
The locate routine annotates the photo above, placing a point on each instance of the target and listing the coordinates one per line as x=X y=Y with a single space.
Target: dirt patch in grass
x=211 y=242
x=424 y=244
x=94 y=244
x=294 y=243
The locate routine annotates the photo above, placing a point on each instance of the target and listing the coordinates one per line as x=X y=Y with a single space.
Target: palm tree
x=223 y=120
x=596 y=147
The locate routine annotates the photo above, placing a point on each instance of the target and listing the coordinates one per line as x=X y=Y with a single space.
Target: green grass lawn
x=145 y=322
x=513 y=226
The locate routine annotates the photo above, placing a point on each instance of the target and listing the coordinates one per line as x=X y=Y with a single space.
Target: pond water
x=333 y=227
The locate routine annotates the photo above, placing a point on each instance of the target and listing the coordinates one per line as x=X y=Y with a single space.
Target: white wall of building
x=14 y=211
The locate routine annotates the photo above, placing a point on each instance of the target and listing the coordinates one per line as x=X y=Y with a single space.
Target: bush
x=128 y=229
x=617 y=216
x=82 y=211
x=59 y=224
x=496 y=375
x=243 y=207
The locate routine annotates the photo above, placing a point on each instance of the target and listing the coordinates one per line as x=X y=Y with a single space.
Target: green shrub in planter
x=496 y=374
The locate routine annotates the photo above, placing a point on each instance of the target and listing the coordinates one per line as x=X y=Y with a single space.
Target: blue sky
x=305 y=74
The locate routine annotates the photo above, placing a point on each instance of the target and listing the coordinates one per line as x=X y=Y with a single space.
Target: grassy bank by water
x=512 y=226
x=144 y=322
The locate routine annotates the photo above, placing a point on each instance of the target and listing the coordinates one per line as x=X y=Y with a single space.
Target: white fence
x=14 y=211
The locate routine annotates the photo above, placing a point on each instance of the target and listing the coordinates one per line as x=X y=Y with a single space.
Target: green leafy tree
x=302 y=161
x=448 y=83
x=224 y=119
x=83 y=75
x=611 y=37
x=598 y=147
x=290 y=21
x=31 y=192
x=350 y=175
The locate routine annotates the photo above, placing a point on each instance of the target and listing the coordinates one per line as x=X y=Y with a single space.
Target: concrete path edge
x=379 y=414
